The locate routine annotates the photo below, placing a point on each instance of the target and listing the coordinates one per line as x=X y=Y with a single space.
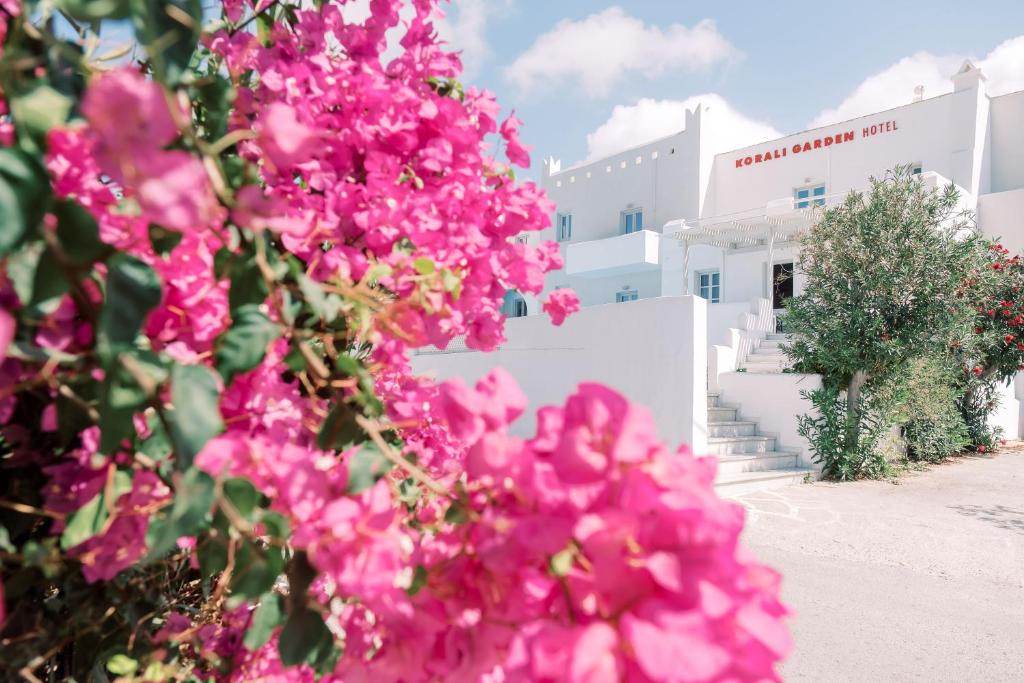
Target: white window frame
x=563 y=226
x=633 y=213
x=916 y=168
x=714 y=291
x=813 y=197
x=625 y=295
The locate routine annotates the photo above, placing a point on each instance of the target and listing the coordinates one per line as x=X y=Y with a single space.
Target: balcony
x=636 y=252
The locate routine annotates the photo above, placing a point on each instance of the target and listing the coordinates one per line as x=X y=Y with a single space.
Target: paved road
x=917 y=581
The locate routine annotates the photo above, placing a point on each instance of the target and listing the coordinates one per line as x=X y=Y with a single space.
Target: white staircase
x=768 y=356
x=747 y=461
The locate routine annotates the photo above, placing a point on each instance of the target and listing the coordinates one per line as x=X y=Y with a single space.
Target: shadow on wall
x=1000 y=516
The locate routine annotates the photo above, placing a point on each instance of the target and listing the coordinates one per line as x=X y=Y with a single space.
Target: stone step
x=764 y=369
x=756 y=462
x=769 y=354
x=727 y=445
x=756 y=365
x=772 y=343
x=730 y=485
x=778 y=336
x=712 y=400
x=721 y=414
x=732 y=428
x=763 y=360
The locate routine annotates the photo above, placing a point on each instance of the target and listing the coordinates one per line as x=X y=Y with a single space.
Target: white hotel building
x=680 y=255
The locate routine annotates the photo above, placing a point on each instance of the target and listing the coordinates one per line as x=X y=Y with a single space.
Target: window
x=521 y=239
x=709 y=285
x=514 y=305
x=563 y=227
x=812 y=194
x=632 y=220
x=915 y=168
x=625 y=295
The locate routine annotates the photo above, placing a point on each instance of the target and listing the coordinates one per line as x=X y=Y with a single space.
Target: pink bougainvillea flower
x=561 y=303
x=283 y=137
x=174 y=191
x=7 y=329
x=518 y=153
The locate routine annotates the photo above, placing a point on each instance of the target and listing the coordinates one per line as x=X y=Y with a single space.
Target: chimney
x=918 y=93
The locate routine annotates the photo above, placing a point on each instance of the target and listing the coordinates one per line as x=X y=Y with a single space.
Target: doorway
x=782 y=284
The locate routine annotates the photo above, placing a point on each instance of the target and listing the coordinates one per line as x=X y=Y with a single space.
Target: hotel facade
x=682 y=257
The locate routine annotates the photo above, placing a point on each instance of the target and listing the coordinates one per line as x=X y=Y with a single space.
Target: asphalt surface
x=922 y=580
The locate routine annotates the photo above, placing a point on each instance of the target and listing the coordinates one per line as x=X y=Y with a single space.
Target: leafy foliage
x=891 y=281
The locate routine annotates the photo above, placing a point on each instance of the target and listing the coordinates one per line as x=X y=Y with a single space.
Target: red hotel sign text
x=817 y=143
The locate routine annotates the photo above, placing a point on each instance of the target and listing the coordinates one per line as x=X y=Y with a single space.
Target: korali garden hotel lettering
x=817 y=143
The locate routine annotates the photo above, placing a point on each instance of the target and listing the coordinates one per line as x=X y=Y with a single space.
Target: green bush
x=828 y=431
x=975 y=406
x=927 y=396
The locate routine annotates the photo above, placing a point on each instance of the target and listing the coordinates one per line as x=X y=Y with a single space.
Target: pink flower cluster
x=587 y=553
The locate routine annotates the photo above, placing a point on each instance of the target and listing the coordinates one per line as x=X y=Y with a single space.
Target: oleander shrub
x=933 y=426
x=902 y=295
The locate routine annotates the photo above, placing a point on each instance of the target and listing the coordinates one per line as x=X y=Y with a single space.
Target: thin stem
x=373 y=429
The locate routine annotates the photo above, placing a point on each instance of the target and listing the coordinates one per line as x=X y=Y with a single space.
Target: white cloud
x=894 y=86
x=603 y=48
x=648 y=119
x=465 y=29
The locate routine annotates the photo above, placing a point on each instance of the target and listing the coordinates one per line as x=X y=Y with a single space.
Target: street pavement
x=918 y=580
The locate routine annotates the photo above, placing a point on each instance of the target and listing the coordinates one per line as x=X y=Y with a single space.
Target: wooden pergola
x=741 y=232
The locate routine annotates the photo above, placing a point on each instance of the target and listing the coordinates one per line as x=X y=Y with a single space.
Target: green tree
x=884 y=275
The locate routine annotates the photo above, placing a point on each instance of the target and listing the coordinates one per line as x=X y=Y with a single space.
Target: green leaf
x=243 y=346
x=24 y=190
x=88 y=520
x=274 y=525
x=84 y=523
x=121 y=395
x=164 y=240
x=242 y=494
x=158 y=444
x=256 y=569
x=133 y=290
x=456 y=513
x=186 y=516
x=424 y=266
x=39 y=109
x=79 y=234
x=561 y=562
x=365 y=467
x=95 y=10
x=419 y=580
x=305 y=639
x=247 y=284
x=122 y=665
x=169 y=29
x=196 y=418
x=268 y=616
x=48 y=282
x=213 y=554
x=340 y=429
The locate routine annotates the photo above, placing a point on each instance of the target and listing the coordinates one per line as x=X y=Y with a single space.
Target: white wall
x=651 y=350
x=924 y=133
x=1001 y=215
x=1008 y=415
x=774 y=401
x=1007 y=142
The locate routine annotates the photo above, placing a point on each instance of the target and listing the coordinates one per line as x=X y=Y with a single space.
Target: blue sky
x=565 y=65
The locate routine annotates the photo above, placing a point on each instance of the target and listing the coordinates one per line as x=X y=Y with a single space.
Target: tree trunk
x=853 y=400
